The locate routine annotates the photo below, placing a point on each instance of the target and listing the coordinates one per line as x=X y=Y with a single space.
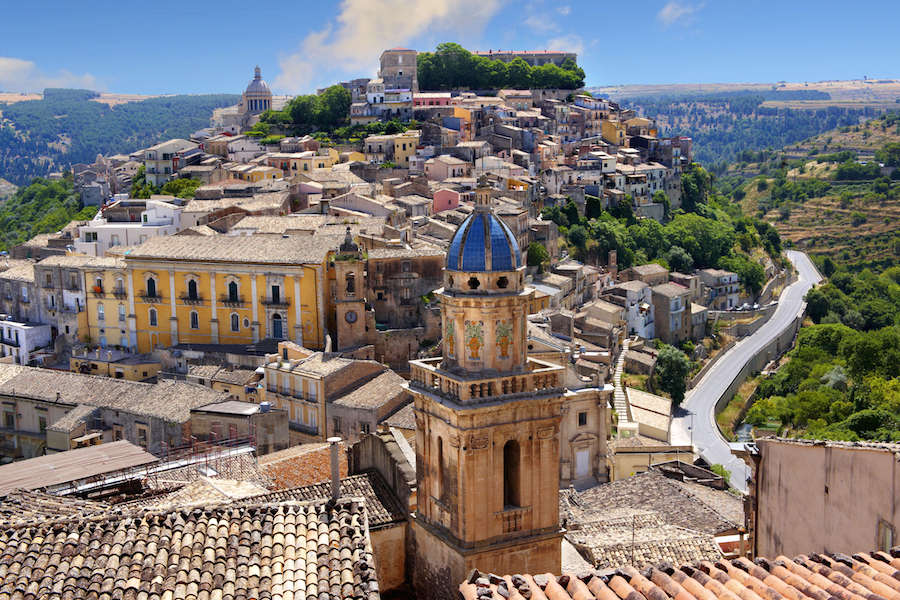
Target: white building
x=162 y=161
x=244 y=149
x=638 y=303
x=159 y=218
x=721 y=288
x=20 y=339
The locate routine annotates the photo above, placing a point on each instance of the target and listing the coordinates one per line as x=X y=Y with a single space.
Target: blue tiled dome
x=483 y=243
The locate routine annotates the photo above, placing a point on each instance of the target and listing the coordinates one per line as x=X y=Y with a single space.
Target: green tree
x=332 y=108
x=519 y=74
x=578 y=236
x=181 y=188
x=679 y=260
x=593 y=207
x=537 y=255
x=672 y=369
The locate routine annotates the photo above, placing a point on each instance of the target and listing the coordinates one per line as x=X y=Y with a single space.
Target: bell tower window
x=512 y=489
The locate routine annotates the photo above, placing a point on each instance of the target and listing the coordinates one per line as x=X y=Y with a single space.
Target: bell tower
x=350 y=298
x=487 y=422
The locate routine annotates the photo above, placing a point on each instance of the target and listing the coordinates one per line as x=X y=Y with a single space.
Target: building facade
x=487 y=421
x=226 y=290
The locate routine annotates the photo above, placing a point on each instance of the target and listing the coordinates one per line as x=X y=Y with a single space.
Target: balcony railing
x=541 y=377
x=25 y=300
x=195 y=300
x=154 y=299
x=9 y=342
x=275 y=302
x=119 y=293
x=232 y=301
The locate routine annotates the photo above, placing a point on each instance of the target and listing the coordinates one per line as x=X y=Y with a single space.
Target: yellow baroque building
x=226 y=290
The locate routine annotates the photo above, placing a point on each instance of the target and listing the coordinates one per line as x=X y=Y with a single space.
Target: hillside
x=837 y=202
x=64 y=127
x=825 y=200
x=725 y=124
x=44 y=206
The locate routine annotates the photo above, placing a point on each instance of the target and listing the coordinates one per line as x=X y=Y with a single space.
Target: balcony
x=9 y=342
x=154 y=299
x=540 y=377
x=25 y=300
x=119 y=293
x=275 y=302
x=232 y=301
x=98 y=291
x=193 y=301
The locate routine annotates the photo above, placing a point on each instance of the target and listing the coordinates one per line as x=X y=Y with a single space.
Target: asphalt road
x=698 y=409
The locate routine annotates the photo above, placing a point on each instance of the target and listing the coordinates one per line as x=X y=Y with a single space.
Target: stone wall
x=770 y=352
x=825 y=497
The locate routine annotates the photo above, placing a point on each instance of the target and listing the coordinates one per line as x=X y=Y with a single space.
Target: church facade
x=487 y=422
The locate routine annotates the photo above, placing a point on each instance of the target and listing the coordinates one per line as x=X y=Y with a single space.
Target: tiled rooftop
x=650 y=491
x=23 y=507
x=290 y=550
x=168 y=400
x=817 y=576
x=260 y=248
x=641 y=539
x=381 y=506
x=381 y=390
x=301 y=465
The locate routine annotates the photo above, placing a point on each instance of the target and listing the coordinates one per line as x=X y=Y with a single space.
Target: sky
x=201 y=46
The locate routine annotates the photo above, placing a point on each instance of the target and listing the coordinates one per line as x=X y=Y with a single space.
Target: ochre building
x=487 y=421
x=226 y=290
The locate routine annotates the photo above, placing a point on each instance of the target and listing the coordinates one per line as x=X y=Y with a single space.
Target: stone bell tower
x=487 y=422
x=350 y=298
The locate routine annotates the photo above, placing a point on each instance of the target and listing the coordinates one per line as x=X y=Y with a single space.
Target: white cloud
x=540 y=24
x=675 y=11
x=564 y=10
x=17 y=75
x=567 y=43
x=364 y=28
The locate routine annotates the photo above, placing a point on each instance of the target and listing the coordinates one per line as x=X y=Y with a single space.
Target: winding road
x=699 y=406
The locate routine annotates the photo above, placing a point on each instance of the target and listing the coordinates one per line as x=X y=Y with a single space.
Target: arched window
x=153 y=319
x=233 y=292
x=511 y=476
x=100 y=315
x=192 y=289
x=151 y=287
x=351 y=284
x=235 y=322
x=195 y=320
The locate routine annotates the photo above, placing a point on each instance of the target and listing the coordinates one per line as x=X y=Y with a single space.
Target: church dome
x=483 y=243
x=257 y=85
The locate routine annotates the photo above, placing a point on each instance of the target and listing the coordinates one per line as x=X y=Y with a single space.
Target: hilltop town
x=454 y=346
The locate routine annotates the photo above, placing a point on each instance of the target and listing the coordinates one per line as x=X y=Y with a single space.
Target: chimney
x=335 y=443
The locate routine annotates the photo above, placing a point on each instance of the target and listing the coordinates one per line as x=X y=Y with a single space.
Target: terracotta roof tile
x=286 y=550
x=816 y=577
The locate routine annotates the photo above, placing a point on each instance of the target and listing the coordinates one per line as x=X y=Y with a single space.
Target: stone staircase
x=620 y=399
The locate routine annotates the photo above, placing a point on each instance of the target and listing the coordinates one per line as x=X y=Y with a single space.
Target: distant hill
x=829 y=195
x=44 y=206
x=724 y=124
x=67 y=126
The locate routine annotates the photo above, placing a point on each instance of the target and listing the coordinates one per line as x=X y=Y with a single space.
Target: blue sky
x=212 y=46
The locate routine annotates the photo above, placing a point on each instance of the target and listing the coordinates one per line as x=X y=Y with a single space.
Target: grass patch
x=636 y=381
x=729 y=414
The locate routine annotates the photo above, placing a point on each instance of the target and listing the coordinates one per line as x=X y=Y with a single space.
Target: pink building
x=432 y=99
x=444 y=166
x=444 y=200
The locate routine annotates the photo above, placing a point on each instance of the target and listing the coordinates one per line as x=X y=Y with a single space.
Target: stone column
x=298 y=324
x=213 y=315
x=173 y=315
x=254 y=303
